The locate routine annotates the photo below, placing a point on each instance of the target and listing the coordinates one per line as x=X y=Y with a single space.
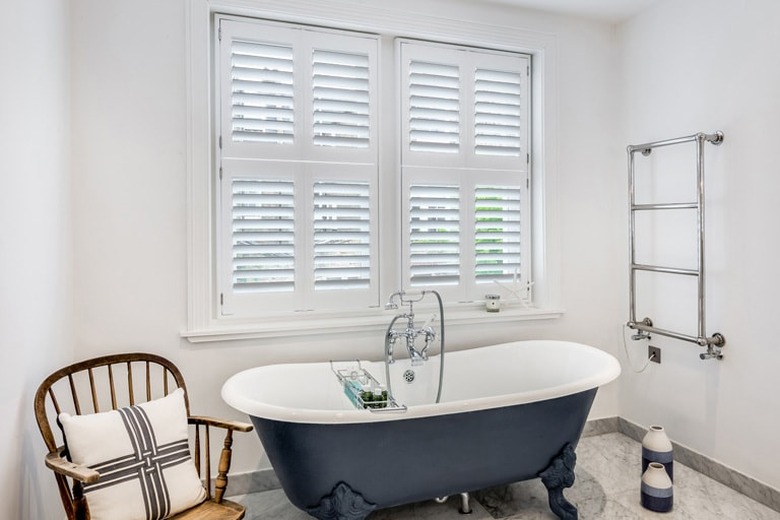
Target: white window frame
x=203 y=319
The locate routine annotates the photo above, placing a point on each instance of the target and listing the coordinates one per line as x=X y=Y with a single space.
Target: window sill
x=303 y=326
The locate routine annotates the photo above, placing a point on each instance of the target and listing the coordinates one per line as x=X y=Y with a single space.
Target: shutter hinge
x=527 y=67
x=220 y=142
x=527 y=158
x=222 y=299
x=219 y=31
x=220 y=173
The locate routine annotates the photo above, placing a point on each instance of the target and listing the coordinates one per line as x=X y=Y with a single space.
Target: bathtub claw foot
x=558 y=476
x=343 y=503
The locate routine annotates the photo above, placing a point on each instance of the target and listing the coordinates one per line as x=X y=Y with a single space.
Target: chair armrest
x=59 y=464
x=220 y=423
x=225 y=456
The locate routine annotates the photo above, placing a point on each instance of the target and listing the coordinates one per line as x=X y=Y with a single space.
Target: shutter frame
x=331 y=108
x=493 y=244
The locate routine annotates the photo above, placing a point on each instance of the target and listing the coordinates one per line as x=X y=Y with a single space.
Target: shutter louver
x=341 y=235
x=340 y=99
x=497 y=116
x=434 y=107
x=263 y=236
x=497 y=232
x=434 y=235
x=262 y=93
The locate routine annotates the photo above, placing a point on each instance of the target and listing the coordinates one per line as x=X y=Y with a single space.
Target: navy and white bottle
x=657 y=493
x=656 y=447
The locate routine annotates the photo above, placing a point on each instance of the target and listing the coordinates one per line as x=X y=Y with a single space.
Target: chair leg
x=79 y=502
x=224 y=466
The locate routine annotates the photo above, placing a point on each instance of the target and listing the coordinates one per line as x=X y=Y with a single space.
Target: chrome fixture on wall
x=715 y=342
x=411 y=332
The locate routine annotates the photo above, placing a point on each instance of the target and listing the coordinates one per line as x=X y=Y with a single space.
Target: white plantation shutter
x=498 y=233
x=434 y=107
x=465 y=167
x=341 y=99
x=262 y=101
x=297 y=169
x=497 y=113
x=342 y=235
x=263 y=237
x=434 y=235
x=312 y=91
x=296 y=175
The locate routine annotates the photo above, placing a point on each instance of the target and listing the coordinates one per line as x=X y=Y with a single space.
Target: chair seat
x=210 y=510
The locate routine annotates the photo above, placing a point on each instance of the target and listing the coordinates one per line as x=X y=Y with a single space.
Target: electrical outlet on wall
x=655 y=352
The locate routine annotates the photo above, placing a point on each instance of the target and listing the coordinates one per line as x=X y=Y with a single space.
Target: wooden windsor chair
x=114 y=381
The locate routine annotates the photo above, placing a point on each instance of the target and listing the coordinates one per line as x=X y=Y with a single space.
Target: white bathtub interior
x=498 y=375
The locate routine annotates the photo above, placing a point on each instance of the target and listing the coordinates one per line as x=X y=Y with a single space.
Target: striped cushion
x=143 y=457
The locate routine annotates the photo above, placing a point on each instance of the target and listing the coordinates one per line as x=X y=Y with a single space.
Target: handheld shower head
x=391 y=301
x=402 y=297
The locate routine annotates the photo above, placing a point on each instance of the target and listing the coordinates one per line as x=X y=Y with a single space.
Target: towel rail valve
x=714 y=347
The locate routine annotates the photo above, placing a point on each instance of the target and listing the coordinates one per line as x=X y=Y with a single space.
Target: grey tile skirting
x=265 y=480
x=253 y=482
x=600 y=427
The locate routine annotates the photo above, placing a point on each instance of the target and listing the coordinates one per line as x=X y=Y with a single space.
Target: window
x=297 y=168
x=297 y=183
x=465 y=171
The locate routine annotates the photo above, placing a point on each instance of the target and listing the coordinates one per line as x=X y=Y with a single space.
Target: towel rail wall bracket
x=717 y=341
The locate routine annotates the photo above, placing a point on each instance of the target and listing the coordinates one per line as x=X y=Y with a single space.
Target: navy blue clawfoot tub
x=508 y=413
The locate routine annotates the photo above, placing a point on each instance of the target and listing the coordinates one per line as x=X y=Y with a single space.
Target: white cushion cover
x=142 y=455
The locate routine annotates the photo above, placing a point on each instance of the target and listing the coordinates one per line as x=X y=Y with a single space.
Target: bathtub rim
x=608 y=372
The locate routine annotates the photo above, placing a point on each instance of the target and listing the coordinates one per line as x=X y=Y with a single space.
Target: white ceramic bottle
x=656 y=447
x=657 y=492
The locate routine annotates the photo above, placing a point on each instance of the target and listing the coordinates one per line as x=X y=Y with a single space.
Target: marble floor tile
x=432 y=511
x=614 y=459
x=528 y=498
x=269 y=505
x=606 y=488
x=273 y=505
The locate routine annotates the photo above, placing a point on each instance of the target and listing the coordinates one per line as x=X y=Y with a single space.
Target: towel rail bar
x=645 y=148
x=667 y=270
x=715 y=339
x=671 y=205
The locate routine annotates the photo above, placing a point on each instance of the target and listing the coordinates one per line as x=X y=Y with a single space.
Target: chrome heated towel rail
x=715 y=342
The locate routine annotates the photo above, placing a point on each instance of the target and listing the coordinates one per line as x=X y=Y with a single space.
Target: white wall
x=129 y=117
x=35 y=237
x=703 y=65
